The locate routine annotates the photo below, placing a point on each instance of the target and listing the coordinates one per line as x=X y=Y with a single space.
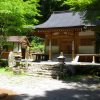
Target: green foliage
x=3 y=63
x=48 y=6
x=39 y=48
x=4 y=70
x=78 y=4
x=89 y=8
x=2 y=41
x=16 y=15
x=37 y=44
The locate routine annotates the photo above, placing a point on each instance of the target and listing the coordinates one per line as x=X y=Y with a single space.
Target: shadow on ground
x=87 y=79
x=81 y=91
x=61 y=94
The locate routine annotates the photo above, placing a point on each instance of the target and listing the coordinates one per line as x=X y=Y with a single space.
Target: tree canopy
x=48 y=6
x=89 y=8
x=15 y=15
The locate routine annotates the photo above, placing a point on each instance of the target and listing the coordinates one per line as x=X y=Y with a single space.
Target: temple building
x=66 y=32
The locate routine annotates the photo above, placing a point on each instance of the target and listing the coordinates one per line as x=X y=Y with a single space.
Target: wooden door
x=65 y=47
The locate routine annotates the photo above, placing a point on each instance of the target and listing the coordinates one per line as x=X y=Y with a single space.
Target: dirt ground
x=39 y=88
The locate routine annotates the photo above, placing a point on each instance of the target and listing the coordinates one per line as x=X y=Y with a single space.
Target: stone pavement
x=39 y=88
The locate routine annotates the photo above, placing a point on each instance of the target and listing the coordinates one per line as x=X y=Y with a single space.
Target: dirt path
x=37 y=88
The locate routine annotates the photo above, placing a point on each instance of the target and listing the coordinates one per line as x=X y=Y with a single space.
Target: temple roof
x=63 y=19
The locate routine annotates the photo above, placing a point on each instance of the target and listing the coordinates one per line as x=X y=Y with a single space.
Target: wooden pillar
x=45 y=40
x=76 y=42
x=50 y=47
x=73 y=50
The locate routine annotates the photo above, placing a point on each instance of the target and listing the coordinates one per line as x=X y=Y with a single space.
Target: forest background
x=18 y=17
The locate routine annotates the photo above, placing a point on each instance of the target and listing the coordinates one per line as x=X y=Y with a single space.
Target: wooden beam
x=58 y=30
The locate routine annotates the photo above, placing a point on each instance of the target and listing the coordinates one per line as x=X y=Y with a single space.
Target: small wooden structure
x=14 y=45
x=66 y=32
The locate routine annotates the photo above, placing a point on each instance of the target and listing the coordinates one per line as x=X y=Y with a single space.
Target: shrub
x=3 y=63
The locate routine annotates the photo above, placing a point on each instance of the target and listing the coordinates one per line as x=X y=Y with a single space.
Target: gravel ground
x=39 y=88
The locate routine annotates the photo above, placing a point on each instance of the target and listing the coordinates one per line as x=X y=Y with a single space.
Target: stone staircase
x=43 y=70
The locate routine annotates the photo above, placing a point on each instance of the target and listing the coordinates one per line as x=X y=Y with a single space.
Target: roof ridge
x=65 y=11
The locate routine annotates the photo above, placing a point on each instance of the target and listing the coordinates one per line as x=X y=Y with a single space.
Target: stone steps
x=43 y=70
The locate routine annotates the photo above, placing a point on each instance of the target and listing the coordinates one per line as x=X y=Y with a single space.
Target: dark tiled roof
x=63 y=19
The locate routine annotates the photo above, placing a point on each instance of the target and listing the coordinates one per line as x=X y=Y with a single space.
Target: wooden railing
x=94 y=58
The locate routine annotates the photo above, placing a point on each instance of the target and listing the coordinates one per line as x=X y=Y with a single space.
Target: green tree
x=37 y=44
x=48 y=6
x=89 y=8
x=15 y=15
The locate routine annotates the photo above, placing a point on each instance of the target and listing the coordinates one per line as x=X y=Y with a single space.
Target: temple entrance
x=65 y=46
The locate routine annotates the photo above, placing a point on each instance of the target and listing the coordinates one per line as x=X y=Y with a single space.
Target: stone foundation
x=54 y=70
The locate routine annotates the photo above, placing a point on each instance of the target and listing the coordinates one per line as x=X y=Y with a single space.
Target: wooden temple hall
x=66 y=32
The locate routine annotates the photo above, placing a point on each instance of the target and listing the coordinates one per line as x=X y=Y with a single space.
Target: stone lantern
x=61 y=58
